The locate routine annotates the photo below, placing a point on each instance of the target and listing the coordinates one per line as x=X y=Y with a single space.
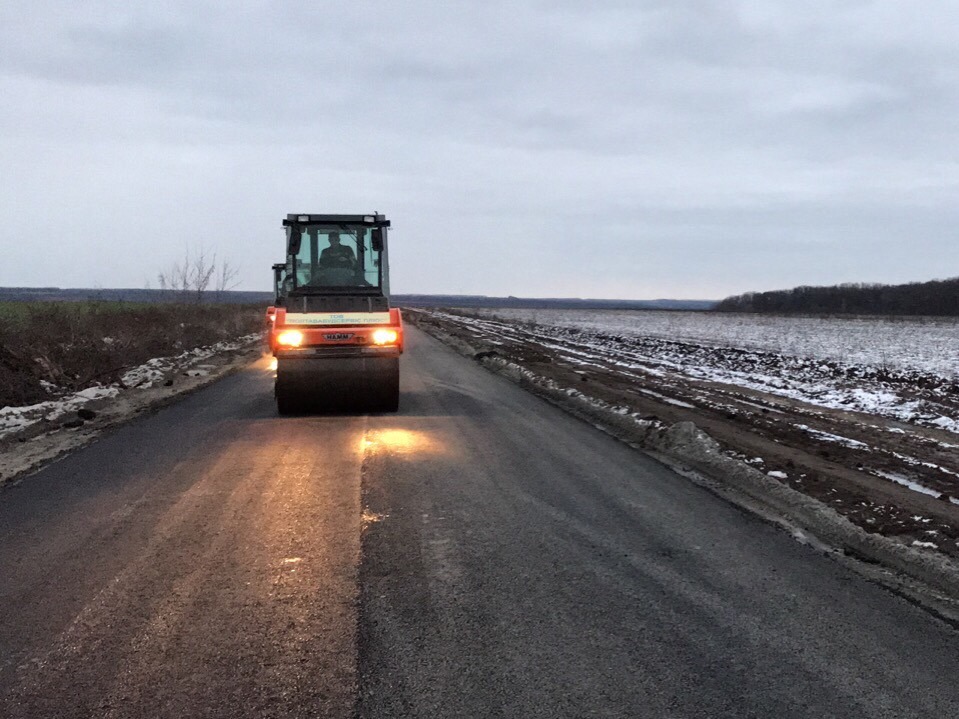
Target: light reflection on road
x=401 y=441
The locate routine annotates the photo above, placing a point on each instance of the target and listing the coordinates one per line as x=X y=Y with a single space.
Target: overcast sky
x=635 y=149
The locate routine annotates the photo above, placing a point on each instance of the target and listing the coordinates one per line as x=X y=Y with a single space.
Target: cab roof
x=304 y=218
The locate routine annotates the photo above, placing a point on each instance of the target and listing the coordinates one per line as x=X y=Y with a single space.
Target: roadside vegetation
x=53 y=347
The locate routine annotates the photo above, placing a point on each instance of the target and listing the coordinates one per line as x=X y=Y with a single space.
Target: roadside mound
x=48 y=349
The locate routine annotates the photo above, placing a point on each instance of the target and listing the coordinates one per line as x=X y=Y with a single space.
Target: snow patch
x=838 y=439
x=906 y=482
x=667 y=400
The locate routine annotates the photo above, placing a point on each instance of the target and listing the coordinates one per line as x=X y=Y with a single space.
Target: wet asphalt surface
x=479 y=554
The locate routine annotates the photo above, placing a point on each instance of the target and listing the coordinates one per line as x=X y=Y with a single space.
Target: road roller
x=336 y=339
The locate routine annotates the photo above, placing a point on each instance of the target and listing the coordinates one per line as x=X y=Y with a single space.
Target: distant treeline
x=937 y=298
x=545 y=303
x=60 y=294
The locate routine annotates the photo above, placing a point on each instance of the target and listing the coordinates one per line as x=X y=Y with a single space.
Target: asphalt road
x=480 y=554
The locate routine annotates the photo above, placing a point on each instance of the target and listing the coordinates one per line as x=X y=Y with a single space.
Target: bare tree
x=196 y=273
x=201 y=273
x=176 y=278
x=226 y=280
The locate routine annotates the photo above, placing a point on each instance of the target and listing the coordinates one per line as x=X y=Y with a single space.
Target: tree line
x=937 y=298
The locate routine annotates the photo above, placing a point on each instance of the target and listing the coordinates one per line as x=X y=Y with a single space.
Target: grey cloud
x=675 y=147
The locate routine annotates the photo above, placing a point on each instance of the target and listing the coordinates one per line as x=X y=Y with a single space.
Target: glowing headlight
x=290 y=338
x=384 y=337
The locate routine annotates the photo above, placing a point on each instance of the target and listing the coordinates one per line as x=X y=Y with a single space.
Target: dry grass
x=75 y=344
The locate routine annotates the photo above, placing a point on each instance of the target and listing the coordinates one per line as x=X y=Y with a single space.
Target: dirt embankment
x=68 y=372
x=895 y=478
x=52 y=348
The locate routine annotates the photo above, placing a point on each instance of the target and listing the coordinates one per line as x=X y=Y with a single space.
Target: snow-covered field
x=795 y=358
x=929 y=345
x=852 y=411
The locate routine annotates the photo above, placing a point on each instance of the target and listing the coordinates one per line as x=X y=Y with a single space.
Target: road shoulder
x=26 y=452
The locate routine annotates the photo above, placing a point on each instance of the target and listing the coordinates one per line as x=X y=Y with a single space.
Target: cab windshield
x=335 y=257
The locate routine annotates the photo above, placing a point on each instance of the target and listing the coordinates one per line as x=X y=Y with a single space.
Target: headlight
x=385 y=337
x=290 y=338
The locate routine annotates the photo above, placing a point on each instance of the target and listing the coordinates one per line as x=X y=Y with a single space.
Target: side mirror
x=376 y=241
x=293 y=237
